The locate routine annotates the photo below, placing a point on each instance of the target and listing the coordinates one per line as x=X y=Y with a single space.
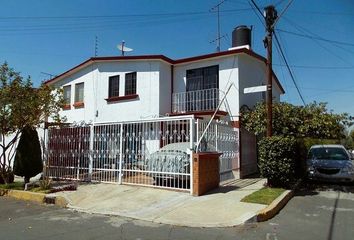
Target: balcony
x=206 y=100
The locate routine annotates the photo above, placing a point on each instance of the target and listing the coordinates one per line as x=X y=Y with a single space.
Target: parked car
x=331 y=163
x=170 y=165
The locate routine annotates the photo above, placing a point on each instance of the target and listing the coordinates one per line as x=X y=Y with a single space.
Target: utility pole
x=217 y=9
x=270 y=15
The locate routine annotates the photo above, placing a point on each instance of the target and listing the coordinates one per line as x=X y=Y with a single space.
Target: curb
x=274 y=208
x=35 y=197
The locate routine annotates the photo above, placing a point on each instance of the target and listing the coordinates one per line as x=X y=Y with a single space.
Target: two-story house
x=127 y=88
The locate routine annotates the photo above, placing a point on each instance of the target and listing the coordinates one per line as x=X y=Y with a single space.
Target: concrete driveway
x=219 y=208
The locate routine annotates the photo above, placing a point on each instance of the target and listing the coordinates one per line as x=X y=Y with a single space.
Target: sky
x=38 y=38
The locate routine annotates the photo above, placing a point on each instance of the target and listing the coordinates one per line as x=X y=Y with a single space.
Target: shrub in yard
x=28 y=160
x=10 y=177
x=277 y=160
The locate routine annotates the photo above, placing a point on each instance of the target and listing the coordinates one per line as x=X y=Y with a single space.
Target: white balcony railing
x=196 y=101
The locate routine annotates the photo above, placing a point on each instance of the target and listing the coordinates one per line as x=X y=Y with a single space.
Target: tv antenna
x=216 y=8
x=123 y=48
x=49 y=74
x=96 y=46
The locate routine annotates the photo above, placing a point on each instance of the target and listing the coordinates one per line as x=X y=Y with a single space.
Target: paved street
x=324 y=212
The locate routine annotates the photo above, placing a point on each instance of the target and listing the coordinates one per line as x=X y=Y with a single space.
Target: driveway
x=219 y=208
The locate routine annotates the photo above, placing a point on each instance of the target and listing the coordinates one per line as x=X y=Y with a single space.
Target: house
x=126 y=88
x=142 y=117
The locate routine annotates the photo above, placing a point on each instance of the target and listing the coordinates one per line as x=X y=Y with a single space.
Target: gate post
x=120 y=154
x=91 y=152
x=191 y=151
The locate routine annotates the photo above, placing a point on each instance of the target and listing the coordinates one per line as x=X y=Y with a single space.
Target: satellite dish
x=123 y=48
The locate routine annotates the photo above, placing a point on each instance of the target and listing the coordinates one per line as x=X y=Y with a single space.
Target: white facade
x=151 y=99
x=157 y=78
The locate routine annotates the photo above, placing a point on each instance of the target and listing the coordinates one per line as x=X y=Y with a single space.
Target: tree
x=22 y=105
x=281 y=157
x=312 y=120
x=28 y=159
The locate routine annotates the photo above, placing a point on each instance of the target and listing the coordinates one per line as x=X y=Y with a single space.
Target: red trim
x=112 y=58
x=220 y=54
x=122 y=98
x=166 y=59
x=66 y=107
x=235 y=124
x=218 y=113
x=79 y=104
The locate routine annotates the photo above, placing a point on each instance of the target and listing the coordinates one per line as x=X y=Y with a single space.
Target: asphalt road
x=316 y=212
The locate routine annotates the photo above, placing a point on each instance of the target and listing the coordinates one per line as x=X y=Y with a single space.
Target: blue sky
x=53 y=36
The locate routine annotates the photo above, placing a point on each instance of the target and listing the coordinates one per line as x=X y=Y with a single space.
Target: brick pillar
x=206 y=174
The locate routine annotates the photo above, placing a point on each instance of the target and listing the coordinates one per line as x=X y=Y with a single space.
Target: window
x=67 y=95
x=203 y=78
x=203 y=84
x=113 y=88
x=130 y=83
x=79 y=93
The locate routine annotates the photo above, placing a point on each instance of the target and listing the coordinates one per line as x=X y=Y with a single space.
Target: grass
x=20 y=186
x=264 y=196
x=13 y=186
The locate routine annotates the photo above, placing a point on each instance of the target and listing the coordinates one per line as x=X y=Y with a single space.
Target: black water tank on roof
x=241 y=36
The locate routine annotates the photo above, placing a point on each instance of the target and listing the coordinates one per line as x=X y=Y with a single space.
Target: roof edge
x=166 y=59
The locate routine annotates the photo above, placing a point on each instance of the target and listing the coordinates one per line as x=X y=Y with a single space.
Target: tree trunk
x=27 y=179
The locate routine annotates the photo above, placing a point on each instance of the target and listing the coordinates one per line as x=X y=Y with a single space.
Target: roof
x=328 y=146
x=163 y=58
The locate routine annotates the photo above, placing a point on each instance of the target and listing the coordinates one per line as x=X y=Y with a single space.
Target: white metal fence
x=223 y=138
x=149 y=152
x=154 y=152
x=195 y=101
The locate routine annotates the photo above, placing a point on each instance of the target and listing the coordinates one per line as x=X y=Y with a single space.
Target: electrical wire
x=316 y=38
x=288 y=67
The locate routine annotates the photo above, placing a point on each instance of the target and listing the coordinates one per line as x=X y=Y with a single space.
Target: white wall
x=228 y=72
x=96 y=81
x=165 y=88
x=253 y=73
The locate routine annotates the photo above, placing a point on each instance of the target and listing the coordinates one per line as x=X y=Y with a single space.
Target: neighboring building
x=126 y=88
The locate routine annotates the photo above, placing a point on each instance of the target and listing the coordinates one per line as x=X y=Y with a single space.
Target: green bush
x=277 y=160
x=28 y=160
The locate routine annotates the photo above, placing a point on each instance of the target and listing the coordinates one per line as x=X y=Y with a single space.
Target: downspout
x=172 y=82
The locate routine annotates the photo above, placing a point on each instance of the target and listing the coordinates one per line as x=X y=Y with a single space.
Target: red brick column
x=206 y=174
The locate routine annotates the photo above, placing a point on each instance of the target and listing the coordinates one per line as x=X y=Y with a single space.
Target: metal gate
x=154 y=152
x=149 y=152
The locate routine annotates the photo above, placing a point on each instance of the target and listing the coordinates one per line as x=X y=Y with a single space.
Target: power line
x=254 y=7
x=323 y=13
x=90 y=17
x=306 y=31
x=315 y=38
x=288 y=67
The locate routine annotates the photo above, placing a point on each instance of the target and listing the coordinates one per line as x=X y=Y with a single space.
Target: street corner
x=274 y=208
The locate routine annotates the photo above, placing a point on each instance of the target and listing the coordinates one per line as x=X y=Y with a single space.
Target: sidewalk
x=219 y=208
